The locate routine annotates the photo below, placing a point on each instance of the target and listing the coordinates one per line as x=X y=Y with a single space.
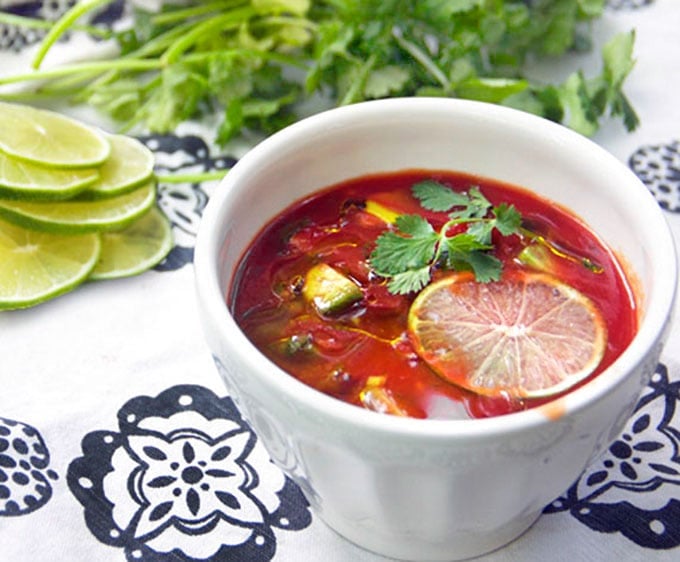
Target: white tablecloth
x=114 y=382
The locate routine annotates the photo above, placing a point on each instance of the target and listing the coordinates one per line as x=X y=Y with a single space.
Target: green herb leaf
x=461 y=244
x=507 y=219
x=435 y=196
x=414 y=225
x=407 y=254
x=396 y=253
x=481 y=231
x=476 y=206
x=385 y=81
x=272 y=56
x=410 y=281
x=486 y=267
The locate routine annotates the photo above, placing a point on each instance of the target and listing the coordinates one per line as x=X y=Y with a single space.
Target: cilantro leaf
x=435 y=196
x=395 y=253
x=233 y=60
x=407 y=254
x=409 y=281
x=476 y=206
x=465 y=242
x=385 y=81
x=486 y=267
x=414 y=225
x=507 y=219
x=481 y=231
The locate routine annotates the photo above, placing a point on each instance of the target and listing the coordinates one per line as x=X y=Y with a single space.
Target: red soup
x=365 y=289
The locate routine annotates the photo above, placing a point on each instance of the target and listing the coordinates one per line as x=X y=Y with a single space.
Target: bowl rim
x=652 y=329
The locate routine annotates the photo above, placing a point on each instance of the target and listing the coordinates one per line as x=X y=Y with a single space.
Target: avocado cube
x=328 y=290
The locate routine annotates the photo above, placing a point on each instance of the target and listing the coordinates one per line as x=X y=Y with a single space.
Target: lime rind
x=50 y=139
x=77 y=217
x=129 y=165
x=24 y=180
x=38 y=266
x=135 y=249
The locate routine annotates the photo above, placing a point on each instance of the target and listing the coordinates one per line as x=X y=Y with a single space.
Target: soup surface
x=308 y=294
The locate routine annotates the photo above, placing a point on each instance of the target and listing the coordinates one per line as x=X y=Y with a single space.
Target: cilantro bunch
x=472 y=49
x=408 y=254
x=191 y=59
x=255 y=63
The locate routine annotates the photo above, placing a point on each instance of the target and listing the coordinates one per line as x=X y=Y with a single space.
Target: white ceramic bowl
x=432 y=489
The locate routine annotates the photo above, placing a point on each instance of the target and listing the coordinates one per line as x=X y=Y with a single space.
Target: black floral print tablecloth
x=119 y=442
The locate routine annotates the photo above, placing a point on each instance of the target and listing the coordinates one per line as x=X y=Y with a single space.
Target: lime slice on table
x=49 y=139
x=79 y=216
x=129 y=165
x=528 y=335
x=23 y=180
x=134 y=249
x=37 y=266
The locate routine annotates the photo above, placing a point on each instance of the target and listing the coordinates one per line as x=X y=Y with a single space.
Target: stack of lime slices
x=75 y=204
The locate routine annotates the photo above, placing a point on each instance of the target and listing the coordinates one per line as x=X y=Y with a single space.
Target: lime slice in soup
x=528 y=335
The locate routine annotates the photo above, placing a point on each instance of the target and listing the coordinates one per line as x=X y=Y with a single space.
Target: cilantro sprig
x=407 y=253
x=254 y=65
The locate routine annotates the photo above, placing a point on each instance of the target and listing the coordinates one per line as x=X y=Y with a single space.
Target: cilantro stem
x=419 y=55
x=239 y=52
x=232 y=19
x=62 y=24
x=341 y=46
x=35 y=23
x=191 y=178
x=71 y=69
x=182 y=15
x=355 y=90
x=161 y=42
x=272 y=21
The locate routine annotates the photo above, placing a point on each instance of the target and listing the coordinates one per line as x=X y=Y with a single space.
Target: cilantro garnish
x=407 y=253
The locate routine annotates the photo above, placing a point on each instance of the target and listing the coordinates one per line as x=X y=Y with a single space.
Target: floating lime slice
x=136 y=248
x=74 y=217
x=23 y=180
x=49 y=139
x=37 y=266
x=129 y=165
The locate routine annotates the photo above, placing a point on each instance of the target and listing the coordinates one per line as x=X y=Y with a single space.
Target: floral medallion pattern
x=25 y=473
x=617 y=493
x=16 y=38
x=658 y=167
x=186 y=479
x=183 y=203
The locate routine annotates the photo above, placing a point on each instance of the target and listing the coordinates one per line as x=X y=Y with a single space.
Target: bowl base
x=461 y=545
